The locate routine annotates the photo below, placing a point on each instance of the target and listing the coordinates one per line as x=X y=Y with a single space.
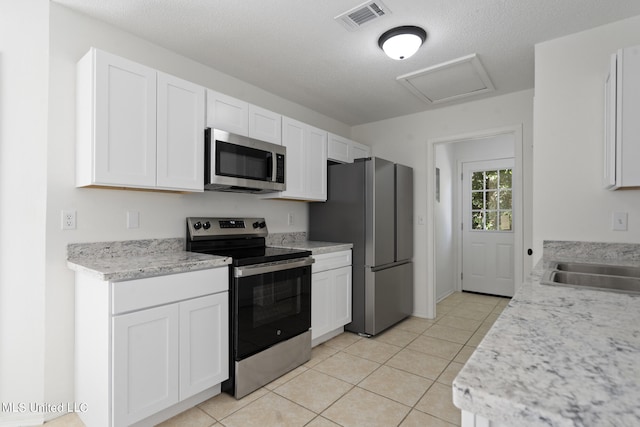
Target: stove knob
x=197 y=225
x=206 y=225
x=263 y=224
x=256 y=224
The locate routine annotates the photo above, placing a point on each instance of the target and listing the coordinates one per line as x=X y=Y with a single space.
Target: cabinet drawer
x=331 y=261
x=151 y=291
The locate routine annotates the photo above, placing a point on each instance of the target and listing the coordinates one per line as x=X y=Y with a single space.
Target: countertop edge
x=132 y=273
x=316 y=247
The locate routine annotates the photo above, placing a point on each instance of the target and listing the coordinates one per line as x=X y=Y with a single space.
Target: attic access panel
x=448 y=81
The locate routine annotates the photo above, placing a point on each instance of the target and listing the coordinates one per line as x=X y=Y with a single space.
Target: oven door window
x=243 y=162
x=271 y=308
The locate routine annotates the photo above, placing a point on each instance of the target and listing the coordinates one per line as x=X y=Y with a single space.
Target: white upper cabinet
x=265 y=125
x=122 y=108
x=116 y=122
x=227 y=113
x=180 y=138
x=360 y=151
x=339 y=149
x=622 y=127
x=236 y=116
x=306 y=162
x=344 y=150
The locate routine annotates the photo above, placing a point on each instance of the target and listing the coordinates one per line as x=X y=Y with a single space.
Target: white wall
x=101 y=214
x=24 y=50
x=409 y=140
x=569 y=203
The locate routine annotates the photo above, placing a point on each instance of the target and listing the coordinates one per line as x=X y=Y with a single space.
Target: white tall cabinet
x=147 y=349
x=137 y=127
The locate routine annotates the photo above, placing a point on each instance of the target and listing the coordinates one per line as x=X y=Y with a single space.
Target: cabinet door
x=145 y=363
x=321 y=300
x=293 y=137
x=609 y=166
x=227 y=113
x=204 y=343
x=360 y=151
x=316 y=160
x=338 y=149
x=265 y=125
x=125 y=122
x=180 y=134
x=342 y=296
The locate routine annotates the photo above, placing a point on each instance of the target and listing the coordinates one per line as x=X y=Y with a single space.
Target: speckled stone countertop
x=299 y=241
x=557 y=355
x=136 y=259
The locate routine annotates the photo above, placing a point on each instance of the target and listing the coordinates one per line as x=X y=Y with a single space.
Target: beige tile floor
x=401 y=377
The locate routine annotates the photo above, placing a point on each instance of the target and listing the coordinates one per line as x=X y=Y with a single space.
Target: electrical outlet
x=620 y=221
x=68 y=220
x=290 y=218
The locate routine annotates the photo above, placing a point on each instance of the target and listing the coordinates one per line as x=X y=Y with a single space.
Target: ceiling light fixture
x=402 y=42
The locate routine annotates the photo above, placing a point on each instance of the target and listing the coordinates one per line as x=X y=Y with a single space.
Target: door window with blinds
x=491 y=200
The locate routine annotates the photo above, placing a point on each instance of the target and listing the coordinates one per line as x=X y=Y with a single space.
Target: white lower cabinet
x=145 y=363
x=147 y=349
x=330 y=295
x=204 y=359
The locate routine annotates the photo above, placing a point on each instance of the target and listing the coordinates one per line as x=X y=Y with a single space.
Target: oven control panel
x=206 y=228
x=231 y=223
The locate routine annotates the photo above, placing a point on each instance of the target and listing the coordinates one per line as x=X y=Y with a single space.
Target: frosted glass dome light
x=402 y=42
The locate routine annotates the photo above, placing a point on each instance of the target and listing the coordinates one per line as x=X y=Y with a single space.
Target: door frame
x=517 y=132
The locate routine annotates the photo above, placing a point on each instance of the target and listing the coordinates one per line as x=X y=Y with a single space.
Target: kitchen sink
x=594 y=276
x=610 y=270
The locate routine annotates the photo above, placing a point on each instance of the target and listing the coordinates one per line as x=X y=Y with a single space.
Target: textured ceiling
x=296 y=50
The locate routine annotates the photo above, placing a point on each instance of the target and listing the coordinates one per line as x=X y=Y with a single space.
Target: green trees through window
x=491 y=200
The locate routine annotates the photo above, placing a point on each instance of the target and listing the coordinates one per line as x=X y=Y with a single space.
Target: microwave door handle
x=272 y=166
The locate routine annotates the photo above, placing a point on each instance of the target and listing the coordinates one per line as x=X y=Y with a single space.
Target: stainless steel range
x=269 y=297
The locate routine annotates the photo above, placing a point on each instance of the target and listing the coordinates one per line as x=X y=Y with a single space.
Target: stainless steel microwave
x=238 y=163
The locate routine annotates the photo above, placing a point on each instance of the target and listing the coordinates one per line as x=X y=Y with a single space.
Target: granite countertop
x=136 y=259
x=316 y=247
x=557 y=355
x=298 y=240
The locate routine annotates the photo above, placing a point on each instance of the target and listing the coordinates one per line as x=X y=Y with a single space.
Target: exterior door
x=487 y=227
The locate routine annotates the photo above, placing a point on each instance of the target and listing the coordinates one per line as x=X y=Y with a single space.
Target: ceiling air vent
x=360 y=15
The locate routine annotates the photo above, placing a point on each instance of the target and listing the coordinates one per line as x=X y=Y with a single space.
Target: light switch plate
x=133 y=219
x=620 y=221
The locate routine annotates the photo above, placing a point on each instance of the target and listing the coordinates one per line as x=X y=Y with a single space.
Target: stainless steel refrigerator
x=370 y=204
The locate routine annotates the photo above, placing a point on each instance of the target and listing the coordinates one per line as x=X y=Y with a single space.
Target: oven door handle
x=270 y=267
